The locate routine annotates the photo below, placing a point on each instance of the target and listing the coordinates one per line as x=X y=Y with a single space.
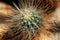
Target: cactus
x=29 y=19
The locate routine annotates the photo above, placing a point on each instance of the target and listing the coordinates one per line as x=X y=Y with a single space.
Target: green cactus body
x=31 y=21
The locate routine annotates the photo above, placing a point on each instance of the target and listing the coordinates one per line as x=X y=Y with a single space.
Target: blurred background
x=9 y=1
